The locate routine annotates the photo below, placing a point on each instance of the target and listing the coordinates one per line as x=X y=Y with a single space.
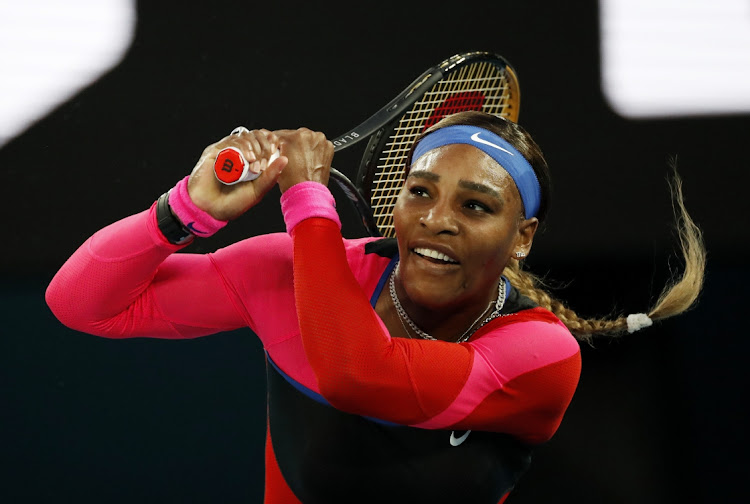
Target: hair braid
x=532 y=287
x=677 y=297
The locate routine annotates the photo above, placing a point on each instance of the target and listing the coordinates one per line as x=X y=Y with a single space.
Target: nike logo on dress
x=476 y=138
x=457 y=441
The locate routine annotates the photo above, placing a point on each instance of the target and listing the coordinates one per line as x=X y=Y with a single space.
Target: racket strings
x=477 y=86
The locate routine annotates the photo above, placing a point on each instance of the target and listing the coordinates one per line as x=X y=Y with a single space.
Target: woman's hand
x=227 y=202
x=309 y=154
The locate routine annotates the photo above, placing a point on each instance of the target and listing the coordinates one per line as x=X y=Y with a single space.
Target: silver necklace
x=403 y=316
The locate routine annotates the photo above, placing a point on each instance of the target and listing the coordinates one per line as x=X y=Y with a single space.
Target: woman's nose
x=440 y=218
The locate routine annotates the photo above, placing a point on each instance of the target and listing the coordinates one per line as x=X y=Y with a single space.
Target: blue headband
x=498 y=149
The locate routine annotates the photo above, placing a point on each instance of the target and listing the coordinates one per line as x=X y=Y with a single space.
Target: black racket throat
x=358 y=200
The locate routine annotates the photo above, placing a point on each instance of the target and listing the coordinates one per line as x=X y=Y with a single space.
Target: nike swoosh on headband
x=476 y=138
x=498 y=148
x=455 y=441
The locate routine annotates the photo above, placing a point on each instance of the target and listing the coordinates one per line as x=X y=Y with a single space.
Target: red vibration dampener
x=231 y=167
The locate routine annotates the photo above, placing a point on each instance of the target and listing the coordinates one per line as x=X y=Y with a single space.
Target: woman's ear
x=526 y=230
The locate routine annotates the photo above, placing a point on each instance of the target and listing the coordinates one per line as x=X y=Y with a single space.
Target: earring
x=520 y=254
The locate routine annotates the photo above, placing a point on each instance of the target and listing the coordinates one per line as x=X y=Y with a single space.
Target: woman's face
x=458 y=221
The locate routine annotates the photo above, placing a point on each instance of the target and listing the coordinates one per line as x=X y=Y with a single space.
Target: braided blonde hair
x=678 y=295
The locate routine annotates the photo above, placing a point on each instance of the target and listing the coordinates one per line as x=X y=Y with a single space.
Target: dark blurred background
x=658 y=416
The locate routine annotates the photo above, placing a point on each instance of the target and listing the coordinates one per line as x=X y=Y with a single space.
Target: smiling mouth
x=436 y=256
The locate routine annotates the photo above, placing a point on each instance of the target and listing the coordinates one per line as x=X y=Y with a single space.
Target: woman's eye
x=477 y=206
x=419 y=191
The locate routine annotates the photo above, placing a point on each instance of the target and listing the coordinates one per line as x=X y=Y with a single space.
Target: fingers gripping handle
x=231 y=167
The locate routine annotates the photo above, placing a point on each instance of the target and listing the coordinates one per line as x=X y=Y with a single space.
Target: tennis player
x=424 y=368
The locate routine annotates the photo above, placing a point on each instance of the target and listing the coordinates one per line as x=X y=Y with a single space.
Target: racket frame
x=385 y=119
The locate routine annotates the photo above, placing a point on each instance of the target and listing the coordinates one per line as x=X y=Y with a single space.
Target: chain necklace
x=403 y=316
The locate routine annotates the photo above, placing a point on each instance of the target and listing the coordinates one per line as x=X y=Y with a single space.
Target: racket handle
x=231 y=167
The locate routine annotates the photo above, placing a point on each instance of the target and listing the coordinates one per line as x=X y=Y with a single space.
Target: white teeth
x=434 y=254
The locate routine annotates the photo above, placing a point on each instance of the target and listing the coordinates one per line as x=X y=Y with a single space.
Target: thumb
x=270 y=175
x=246 y=195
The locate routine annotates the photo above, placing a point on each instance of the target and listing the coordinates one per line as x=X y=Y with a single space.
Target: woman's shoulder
x=370 y=250
x=368 y=258
x=375 y=245
x=531 y=340
x=520 y=309
x=529 y=332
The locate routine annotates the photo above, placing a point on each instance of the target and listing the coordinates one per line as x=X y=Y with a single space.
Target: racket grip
x=231 y=167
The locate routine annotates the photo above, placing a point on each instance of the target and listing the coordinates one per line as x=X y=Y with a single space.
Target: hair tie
x=637 y=321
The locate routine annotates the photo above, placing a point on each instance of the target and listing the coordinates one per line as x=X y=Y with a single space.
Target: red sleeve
x=361 y=370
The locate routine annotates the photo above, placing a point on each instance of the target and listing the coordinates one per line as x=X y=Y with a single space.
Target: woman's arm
x=518 y=379
x=125 y=282
x=509 y=381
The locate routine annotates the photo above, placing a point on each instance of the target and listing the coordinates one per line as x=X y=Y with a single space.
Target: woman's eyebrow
x=482 y=188
x=433 y=177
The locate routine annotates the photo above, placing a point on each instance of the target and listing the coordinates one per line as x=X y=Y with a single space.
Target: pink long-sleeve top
x=309 y=296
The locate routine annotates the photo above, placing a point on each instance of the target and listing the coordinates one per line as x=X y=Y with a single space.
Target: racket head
x=477 y=80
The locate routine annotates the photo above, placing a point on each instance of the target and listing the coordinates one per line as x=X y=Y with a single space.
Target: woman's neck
x=444 y=323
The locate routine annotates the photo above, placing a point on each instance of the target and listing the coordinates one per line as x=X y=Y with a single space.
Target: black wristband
x=169 y=225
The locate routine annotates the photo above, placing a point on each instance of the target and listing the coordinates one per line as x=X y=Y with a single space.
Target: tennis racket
x=468 y=81
x=475 y=80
